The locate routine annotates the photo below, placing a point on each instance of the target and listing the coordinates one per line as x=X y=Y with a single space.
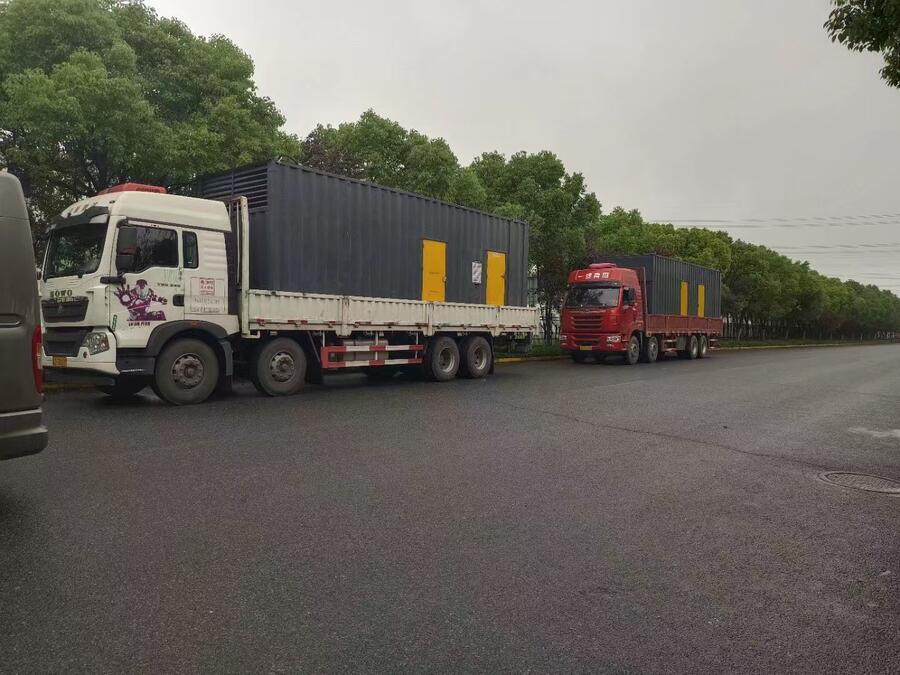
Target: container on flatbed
x=315 y=232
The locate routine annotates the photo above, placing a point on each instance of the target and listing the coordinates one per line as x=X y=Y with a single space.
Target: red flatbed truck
x=638 y=307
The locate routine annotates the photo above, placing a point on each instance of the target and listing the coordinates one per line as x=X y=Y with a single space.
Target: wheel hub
x=446 y=360
x=187 y=371
x=282 y=367
x=480 y=358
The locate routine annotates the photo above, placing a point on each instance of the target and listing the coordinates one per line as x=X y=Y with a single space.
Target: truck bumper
x=607 y=343
x=21 y=433
x=83 y=367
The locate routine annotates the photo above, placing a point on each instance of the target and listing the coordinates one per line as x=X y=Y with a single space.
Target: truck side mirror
x=629 y=297
x=126 y=245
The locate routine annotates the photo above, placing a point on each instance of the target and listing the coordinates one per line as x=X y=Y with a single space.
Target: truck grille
x=70 y=310
x=587 y=323
x=63 y=341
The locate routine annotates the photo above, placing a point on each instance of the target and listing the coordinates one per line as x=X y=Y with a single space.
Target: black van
x=21 y=380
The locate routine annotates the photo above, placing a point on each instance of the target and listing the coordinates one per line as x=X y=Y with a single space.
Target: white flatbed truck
x=143 y=288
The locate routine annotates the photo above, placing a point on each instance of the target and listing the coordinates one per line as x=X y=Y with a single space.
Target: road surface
x=664 y=517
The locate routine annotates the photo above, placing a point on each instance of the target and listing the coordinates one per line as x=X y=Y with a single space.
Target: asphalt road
x=554 y=517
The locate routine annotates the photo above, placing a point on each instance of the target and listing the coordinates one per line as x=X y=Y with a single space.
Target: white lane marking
x=875 y=433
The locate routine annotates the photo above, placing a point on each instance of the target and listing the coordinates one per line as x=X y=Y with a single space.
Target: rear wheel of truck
x=441 y=359
x=187 y=371
x=123 y=388
x=693 y=348
x=703 y=348
x=633 y=353
x=579 y=357
x=650 y=350
x=278 y=367
x=476 y=357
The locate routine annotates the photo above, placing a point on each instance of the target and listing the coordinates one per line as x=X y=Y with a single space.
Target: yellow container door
x=496 y=278
x=434 y=270
x=684 y=298
x=701 y=301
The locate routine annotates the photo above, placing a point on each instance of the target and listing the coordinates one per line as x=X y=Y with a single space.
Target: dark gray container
x=315 y=232
x=663 y=277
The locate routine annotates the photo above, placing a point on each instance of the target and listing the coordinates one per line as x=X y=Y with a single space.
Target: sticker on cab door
x=207 y=296
x=138 y=300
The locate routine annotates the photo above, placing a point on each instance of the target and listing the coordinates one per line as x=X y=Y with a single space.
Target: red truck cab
x=608 y=310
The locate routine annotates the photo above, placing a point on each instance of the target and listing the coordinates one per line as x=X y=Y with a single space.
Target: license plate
x=585 y=348
x=60 y=361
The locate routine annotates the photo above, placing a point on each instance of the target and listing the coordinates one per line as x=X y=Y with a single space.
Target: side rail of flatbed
x=345 y=315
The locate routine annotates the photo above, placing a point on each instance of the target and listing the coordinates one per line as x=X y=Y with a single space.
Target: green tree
x=96 y=92
x=869 y=26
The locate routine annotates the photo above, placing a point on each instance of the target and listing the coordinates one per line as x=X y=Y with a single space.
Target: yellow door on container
x=434 y=270
x=701 y=300
x=684 y=298
x=496 y=278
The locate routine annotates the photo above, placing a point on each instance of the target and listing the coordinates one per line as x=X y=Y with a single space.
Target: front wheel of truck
x=633 y=353
x=187 y=372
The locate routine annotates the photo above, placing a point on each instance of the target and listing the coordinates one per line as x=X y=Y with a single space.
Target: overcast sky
x=729 y=110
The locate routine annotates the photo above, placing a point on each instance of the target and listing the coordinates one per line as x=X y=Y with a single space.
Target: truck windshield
x=76 y=249
x=592 y=296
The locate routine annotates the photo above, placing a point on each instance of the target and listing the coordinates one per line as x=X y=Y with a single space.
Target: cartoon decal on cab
x=137 y=301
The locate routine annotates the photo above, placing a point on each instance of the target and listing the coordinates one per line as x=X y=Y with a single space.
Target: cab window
x=191 y=253
x=150 y=246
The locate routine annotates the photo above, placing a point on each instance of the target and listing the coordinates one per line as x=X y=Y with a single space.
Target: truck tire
x=693 y=348
x=476 y=357
x=278 y=367
x=704 y=347
x=579 y=357
x=633 y=353
x=650 y=349
x=187 y=372
x=441 y=359
x=125 y=387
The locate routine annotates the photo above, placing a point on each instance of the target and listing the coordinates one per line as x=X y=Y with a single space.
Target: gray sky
x=702 y=109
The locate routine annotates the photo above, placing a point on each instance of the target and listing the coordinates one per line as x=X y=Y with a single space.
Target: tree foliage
x=96 y=92
x=869 y=26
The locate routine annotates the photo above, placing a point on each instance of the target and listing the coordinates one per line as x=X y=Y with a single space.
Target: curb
x=523 y=359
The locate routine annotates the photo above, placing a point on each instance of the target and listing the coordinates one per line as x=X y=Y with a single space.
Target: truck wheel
x=476 y=357
x=442 y=359
x=278 y=367
x=633 y=353
x=187 y=372
x=579 y=357
x=650 y=351
x=704 y=347
x=692 y=350
x=124 y=387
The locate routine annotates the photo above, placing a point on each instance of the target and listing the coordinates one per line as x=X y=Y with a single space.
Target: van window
x=151 y=246
x=191 y=254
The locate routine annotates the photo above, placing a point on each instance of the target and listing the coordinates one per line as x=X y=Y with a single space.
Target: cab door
x=496 y=278
x=150 y=290
x=434 y=270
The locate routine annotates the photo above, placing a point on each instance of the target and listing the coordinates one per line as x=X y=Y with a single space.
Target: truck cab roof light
x=133 y=187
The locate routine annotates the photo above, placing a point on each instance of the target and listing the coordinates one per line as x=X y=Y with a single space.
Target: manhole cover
x=862 y=481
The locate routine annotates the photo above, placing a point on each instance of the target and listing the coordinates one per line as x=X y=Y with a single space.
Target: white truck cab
x=124 y=272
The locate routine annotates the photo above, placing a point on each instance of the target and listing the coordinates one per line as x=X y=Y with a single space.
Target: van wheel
x=633 y=353
x=278 y=367
x=187 y=372
x=123 y=388
x=442 y=359
x=476 y=357
x=650 y=350
x=704 y=347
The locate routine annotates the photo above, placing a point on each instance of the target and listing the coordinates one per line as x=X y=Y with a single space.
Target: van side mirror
x=629 y=297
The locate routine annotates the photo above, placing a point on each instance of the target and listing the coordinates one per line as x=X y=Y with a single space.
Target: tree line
x=98 y=92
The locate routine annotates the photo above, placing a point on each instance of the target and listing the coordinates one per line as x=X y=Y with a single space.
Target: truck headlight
x=96 y=343
x=613 y=338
